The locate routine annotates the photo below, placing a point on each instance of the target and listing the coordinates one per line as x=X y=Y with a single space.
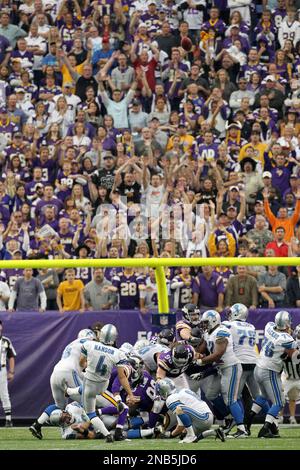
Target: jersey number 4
x=101 y=368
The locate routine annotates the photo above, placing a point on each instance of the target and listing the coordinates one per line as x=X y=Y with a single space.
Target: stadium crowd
x=149 y=128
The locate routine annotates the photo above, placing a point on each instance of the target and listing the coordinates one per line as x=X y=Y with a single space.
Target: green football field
x=21 y=439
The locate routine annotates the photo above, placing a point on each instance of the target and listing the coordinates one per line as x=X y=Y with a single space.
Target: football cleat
x=36 y=431
x=274 y=430
x=229 y=424
x=265 y=433
x=239 y=434
x=220 y=434
x=119 y=435
x=292 y=420
x=8 y=423
x=109 y=438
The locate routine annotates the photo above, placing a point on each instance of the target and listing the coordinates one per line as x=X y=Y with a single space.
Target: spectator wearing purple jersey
x=208 y=289
x=48 y=199
x=131 y=290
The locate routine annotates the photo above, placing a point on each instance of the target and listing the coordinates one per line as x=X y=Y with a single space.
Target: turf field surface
x=18 y=438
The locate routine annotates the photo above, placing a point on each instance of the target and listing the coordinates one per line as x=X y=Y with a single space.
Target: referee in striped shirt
x=7 y=355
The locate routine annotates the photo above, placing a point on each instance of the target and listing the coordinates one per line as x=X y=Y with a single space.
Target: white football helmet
x=238 y=312
x=283 y=320
x=86 y=333
x=55 y=417
x=126 y=348
x=165 y=387
x=210 y=319
x=108 y=334
x=141 y=343
x=296 y=332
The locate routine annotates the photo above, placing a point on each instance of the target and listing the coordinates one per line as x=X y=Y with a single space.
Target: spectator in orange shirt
x=70 y=293
x=282 y=220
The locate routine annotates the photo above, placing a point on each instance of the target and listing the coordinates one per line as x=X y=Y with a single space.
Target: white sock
x=270 y=419
x=255 y=408
x=43 y=418
x=99 y=426
x=241 y=427
x=190 y=431
x=146 y=432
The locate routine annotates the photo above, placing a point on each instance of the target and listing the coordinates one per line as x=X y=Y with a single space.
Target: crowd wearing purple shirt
x=148 y=128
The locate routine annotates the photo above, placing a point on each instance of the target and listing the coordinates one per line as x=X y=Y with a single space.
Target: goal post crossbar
x=158 y=263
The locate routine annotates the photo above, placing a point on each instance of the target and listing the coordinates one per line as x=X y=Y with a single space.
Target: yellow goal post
x=158 y=263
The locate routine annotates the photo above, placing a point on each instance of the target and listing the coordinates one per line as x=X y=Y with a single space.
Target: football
x=186 y=44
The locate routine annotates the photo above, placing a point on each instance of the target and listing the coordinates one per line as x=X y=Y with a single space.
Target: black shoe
x=239 y=434
x=36 y=431
x=265 y=433
x=248 y=421
x=119 y=435
x=8 y=423
x=229 y=424
x=274 y=430
x=109 y=438
x=220 y=434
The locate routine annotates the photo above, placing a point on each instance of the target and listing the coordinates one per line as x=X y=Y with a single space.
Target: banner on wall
x=40 y=338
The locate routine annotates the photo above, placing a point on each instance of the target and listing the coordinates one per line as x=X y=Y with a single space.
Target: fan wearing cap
x=137 y=118
x=258 y=146
x=233 y=35
x=281 y=169
x=151 y=17
x=259 y=236
x=276 y=96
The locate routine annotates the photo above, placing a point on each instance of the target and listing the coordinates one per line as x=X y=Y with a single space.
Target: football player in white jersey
x=73 y=422
x=276 y=345
x=244 y=340
x=291 y=379
x=218 y=341
x=98 y=360
x=193 y=415
x=67 y=372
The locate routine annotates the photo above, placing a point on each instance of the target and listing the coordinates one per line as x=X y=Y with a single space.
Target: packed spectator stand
x=149 y=128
